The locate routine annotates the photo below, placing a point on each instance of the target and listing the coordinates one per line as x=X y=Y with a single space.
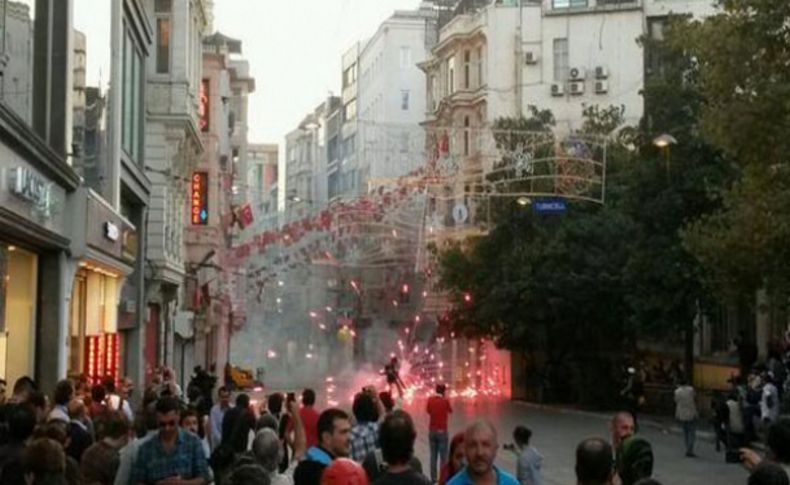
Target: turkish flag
x=245 y=216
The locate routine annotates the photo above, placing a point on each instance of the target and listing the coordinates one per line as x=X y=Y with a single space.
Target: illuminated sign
x=111 y=231
x=199 y=199
x=102 y=356
x=203 y=106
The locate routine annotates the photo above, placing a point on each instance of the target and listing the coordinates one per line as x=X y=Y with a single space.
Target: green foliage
x=742 y=57
x=745 y=246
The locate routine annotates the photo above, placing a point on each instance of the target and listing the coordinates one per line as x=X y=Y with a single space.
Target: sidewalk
x=664 y=424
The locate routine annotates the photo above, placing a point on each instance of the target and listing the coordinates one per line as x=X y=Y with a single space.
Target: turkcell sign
x=554 y=205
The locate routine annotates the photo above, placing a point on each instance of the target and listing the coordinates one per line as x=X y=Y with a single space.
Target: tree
x=550 y=286
x=741 y=58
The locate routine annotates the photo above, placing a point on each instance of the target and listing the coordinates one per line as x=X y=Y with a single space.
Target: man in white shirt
x=769 y=404
x=215 y=417
x=115 y=401
x=686 y=413
x=129 y=452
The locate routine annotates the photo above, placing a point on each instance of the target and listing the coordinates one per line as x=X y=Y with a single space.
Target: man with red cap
x=344 y=472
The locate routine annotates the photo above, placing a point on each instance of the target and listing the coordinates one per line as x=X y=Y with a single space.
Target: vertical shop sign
x=199 y=199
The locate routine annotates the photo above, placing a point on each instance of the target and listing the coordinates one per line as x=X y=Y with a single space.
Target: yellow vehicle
x=240 y=378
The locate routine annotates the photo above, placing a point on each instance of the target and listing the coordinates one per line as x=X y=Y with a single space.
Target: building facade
x=217 y=187
x=262 y=174
x=391 y=96
x=173 y=149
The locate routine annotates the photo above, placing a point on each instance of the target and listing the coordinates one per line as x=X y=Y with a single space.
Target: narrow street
x=556 y=435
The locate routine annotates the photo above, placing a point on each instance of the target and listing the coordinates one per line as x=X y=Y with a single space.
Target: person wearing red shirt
x=309 y=417
x=439 y=410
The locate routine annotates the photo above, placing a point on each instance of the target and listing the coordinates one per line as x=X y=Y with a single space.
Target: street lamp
x=664 y=142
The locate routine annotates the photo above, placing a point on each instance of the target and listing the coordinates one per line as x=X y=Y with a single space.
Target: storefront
x=18 y=291
x=96 y=308
x=34 y=183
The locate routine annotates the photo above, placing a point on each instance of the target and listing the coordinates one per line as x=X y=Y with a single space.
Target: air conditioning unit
x=601 y=86
x=576 y=87
x=530 y=58
x=557 y=89
x=576 y=73
x=601 y=72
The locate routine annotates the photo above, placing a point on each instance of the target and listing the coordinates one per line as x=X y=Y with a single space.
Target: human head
x=109 y=384
x=249 y=475
x=768 y=474
x=127 y=387
x=267 y=449
x=54 y=430
x=275 y=403
x=594 y=462
x=364 y=408
x=190 y=421
x=167 y=410
x=224 y=396
x=78 y=409
x=334 y=431
x=81 y=385
x=98 y=393
x=308 y=397
x=116 y=426
x=344 y=472
x=441 y=389
x=387 y=401
x=522 y=435
x=481 y=444
x=44 y=458
x=39 y=402
x=457 y=452
x=243 y=401
x=622 y=427
x=64 y=391
x=23 y=387
x=778 y=441
x=396 y=438
x=2 y=391
x=21 y=422
x=267 y=421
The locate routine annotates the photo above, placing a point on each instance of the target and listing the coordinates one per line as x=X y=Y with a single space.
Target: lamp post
x=664 y=142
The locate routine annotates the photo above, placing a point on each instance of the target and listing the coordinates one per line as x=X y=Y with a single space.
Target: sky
x=294 y=48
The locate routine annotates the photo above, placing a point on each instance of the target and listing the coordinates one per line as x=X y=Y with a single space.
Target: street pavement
x=556 y=434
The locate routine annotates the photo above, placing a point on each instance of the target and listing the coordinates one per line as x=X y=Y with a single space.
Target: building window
x=163 y=6
x=405 y=57
x=131 y=108
x=404 y=100
x=466 y=136
x=350 y=110
x=162 y=9
x=560 y=60
x=350 y=76
x=569 y=3
x=451 y=75
x=162 y=45
x=432 y=91
x=480 y=67
x=467 y=69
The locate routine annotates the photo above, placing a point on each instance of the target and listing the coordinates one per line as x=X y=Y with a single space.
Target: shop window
x=93 y=343
x=18 y=292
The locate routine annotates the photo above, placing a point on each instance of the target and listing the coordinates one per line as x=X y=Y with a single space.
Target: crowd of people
x=92 y=434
